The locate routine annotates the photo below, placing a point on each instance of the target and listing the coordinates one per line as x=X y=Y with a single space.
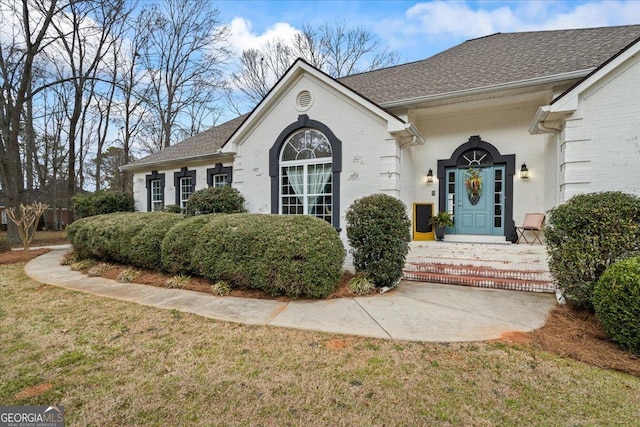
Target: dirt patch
x=336 y=344
x=12 y=257
x=516 y=338
x=34 y=391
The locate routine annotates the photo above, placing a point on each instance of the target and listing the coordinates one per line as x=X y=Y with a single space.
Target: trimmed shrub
x=101 y=203
x=282 y=255
x=586 y=235
x=172 y=209
x=294 y=256
x=225 y=199
x=146 y=245
x=616 y=299
x=378 y=230
x=113 y=237
x=179 y=244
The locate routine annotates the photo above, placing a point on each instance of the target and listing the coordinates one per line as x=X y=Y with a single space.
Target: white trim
x=180 y=161
x=486 y=89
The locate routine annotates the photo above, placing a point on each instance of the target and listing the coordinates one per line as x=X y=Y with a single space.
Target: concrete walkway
x=412 y=311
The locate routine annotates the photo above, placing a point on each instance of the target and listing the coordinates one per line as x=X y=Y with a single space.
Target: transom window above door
x=306 y=186
x=476 y=157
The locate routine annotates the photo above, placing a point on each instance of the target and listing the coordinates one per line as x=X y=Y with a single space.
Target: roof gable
x=299 y=68
x=567 y=102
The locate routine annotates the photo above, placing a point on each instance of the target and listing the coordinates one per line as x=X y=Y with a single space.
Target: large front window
x=306 y=175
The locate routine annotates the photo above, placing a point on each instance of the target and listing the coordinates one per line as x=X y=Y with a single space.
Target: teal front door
x=475 y=198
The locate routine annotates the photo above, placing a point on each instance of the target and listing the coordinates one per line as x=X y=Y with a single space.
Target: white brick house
x=565 y=103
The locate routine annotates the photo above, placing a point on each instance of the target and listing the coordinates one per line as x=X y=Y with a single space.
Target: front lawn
x=116 y=363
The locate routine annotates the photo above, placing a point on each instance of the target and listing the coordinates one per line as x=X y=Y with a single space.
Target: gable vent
x=304 y=100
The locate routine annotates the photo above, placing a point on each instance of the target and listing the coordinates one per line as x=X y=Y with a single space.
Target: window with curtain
x=306 y=175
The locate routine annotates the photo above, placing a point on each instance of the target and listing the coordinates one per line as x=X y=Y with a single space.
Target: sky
x=419 y=29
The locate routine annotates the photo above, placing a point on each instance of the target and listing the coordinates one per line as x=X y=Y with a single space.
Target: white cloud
x=242 y=37
x=459 y=19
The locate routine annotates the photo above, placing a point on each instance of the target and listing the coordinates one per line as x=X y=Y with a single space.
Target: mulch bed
x=12 y=257
x=567 y=332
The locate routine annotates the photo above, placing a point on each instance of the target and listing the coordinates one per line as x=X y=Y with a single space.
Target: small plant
x=220 y=288
x=172 y=209
x=128 y=275
x=441 y=219
x=83 y=265
x=99 y=269
x=360 y=285
x=616 y=299
x=69 y=258
x=179 y=281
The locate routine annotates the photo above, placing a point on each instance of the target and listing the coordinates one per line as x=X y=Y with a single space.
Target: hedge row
x=102 y=202
x=128 y=237
x=293 y=256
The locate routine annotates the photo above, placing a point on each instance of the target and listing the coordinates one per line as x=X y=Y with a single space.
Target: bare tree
x=17 y=56
x=133 y=93
x=85 y=36
x=183 y=57
x=336 y=49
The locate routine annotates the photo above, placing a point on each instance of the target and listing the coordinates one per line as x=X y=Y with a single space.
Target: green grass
x=116 y=363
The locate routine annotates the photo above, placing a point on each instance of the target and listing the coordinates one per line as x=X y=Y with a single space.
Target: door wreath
x=473 y=184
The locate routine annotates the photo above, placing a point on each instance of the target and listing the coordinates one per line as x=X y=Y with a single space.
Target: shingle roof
x=204 y=143
x=494 y=60
x=483 y=62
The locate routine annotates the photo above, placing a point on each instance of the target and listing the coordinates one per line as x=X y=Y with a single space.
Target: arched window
x=306 y=178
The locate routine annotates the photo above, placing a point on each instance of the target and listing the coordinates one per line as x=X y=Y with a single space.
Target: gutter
x=180 y=161
x=537 y=125
x=485 y=89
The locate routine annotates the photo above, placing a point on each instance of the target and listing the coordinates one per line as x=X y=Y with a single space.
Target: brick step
x=484 y=282
x=503 y=272
x=506 y=263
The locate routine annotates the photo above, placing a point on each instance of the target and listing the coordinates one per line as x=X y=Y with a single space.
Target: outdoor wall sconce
x=524 y=172
x=429 y=176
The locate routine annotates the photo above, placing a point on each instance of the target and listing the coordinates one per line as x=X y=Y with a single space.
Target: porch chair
x=532 y=222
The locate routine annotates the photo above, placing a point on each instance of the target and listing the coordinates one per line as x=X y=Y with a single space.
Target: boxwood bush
x=378 y=230
x=112 y=237
x=146 y=244
x=225 y=199
x=586 y=235
x=293 y=256
x=101 y=203
x=180 y=242
x=616 y=299
x=282 y=255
